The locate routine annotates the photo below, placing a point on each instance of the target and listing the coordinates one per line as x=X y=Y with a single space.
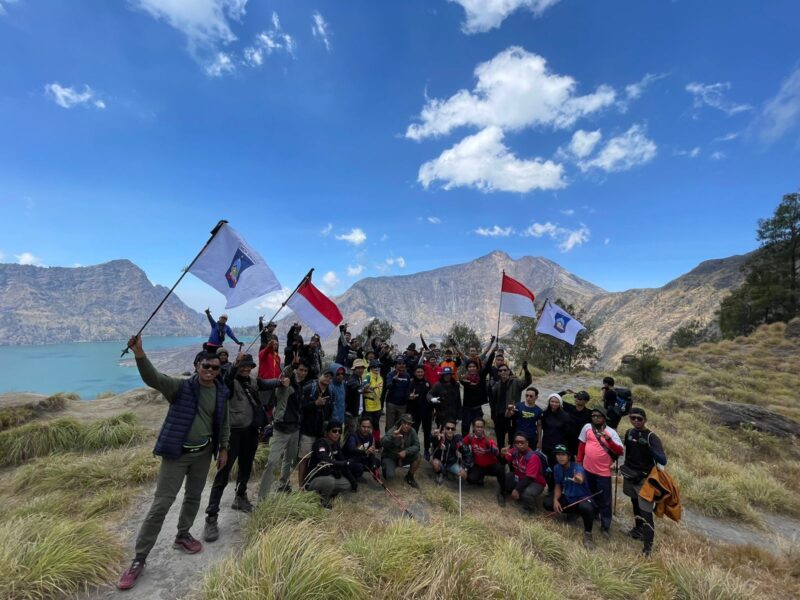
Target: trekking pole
x=574 y=503
x=214 y=232
x=393 y=496
x=283 y=305
x=459 y=489
x=616 y=484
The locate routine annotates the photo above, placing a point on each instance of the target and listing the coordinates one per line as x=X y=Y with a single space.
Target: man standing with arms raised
x=194 y=430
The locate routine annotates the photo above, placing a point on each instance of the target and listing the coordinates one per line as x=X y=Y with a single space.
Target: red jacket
x=269 y=364
x=486 y=459
x=431 y=374
x=526 y=465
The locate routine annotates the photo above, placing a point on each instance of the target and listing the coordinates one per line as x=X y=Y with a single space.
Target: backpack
x=542 y=459
x=624 y=401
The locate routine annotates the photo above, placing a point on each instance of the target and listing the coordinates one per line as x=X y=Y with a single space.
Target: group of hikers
x=324 y=420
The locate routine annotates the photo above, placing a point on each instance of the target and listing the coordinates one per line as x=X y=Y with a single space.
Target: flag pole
x=499 y=307
x=302 y=281
x=214 y=232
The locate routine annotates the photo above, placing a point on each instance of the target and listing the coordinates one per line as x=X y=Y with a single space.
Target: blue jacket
x=180 y=417
x=218 y=333
x=398 y=388
x=337 y=396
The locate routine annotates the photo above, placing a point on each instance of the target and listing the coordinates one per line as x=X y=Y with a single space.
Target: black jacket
x=449 y=406
x=315 y=417
x=476 y=394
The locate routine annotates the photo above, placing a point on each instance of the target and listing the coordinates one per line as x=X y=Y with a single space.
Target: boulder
x=735 y=415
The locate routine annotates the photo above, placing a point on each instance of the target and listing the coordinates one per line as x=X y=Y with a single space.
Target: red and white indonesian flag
x=516 y=299
x=315 y=309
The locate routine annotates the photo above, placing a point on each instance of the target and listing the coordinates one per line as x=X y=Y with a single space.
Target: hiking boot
x=647 y=550
x=501 y=499
x=411 y=481
x=588 y=541
x=211 y=531
x=636 y=532
x=606 y=534
x=128 y=579
x=327 y=502
x=187 y=543
x=242 y=503
x=427 y=456
x=285 y=487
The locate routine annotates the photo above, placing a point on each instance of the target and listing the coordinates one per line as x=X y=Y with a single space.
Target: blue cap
x=447 y=371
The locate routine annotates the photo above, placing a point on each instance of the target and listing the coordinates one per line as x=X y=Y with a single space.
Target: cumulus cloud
x=483 y=15
x=584 y=142
x=400 y=262
x=203 y=22
x=514 y=90
x=483 y=162
x=330 y=280
x=495 y=231
x=567 y=238
x=356 y=237
x=713 y=95
x=271 y=40
x=434 y=220
x=69 y=97
x=781 y=113
x=274 y=300
x=222 y=65
x=321 y=30
x=355 y=271
x=327 y=229
x=623 y=152
x=26 y=258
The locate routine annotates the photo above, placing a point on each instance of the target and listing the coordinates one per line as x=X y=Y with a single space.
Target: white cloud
x=321 y=30
x=330 y=280
x=781 y=113
x=584 y=142
x=483 y=15
x=26 y=258
x=399 y=261
x=274 y=300
x=68 y=97
x=355 y=271
x=713 y=95
x=434 y=220
x=514 y=90
x=356 y=237
x=693 y=153
x=728 y=137
x=495 y=231
x=482 y=161
x=623 y=152
x=606 y=241
x=222 y=65
x=76 y=265
x=568 y=211
x=327 y=229
x=567 y=238
x=203 y=22
x=634 y=91
x=6 y=3
x=717 y=155
x=269 y=41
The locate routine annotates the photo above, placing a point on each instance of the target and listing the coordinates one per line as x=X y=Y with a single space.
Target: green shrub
x=279 y=508
x=15 y=416
x=47 y=557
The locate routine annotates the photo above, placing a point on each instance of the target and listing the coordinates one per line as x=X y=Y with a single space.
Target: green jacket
x=392 y=445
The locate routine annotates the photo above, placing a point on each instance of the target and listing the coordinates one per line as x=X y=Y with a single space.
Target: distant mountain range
x=41 y=305
x=109 y=301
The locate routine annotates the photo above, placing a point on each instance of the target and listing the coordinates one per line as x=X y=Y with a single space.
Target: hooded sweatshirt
x=557 y=426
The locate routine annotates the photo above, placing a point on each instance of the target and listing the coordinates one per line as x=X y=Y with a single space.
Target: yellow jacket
x=660 y=488
x=372 y=394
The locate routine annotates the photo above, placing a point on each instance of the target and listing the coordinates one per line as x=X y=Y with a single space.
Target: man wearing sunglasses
x=329 y=472
x=503 y=398
x=526 y=479
x=447 y=448
x=195 y=430
x=643 y=451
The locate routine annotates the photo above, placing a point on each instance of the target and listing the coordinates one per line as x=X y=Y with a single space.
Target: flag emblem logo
x=239 y=263
x=560 y=322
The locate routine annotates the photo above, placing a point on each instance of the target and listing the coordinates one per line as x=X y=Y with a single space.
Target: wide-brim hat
x=247 y=361
x=359 y=362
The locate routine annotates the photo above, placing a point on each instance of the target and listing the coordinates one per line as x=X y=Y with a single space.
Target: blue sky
x=627 y=141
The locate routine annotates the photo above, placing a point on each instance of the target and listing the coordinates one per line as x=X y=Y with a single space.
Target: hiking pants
x=424 y=418
x=364 y=463
x=393 y=412
x=243 y=446
x=476 y=474
x=642 y=510
x=528 y=496
x=390 y=465
x=598 y=483
x=328 y=486
x=283 y=449
x=193 y=467
x=585 y=509
x=468 y=415
x=504 y=428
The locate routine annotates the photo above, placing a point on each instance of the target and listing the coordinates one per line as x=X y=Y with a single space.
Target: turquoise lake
x=87 y=368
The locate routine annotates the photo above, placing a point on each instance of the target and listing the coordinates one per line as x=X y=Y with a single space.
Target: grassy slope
x=60 y=505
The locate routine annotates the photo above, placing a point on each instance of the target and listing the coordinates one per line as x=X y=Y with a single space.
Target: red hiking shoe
x=187 y=543
x=129 y=577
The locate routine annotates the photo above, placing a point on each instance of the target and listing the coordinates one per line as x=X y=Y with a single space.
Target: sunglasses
x=450 y=428
x=209 y=367
x=637 y=418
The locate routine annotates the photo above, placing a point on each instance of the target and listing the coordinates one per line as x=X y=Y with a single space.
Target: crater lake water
x=86 y=368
